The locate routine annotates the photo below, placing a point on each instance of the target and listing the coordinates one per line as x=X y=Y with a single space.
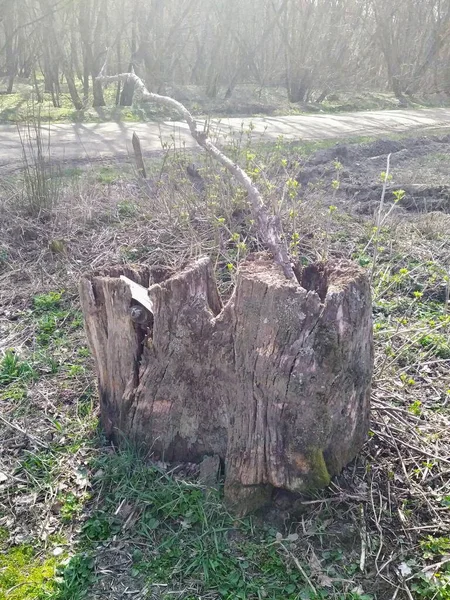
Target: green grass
x=184 y=537
x=14 y=369
x=21 y=105
x=17 y=107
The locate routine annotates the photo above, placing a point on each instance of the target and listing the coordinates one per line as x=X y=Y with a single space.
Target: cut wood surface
x=276 y=382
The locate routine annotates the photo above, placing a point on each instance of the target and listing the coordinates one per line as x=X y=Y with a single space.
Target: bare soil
x=418 y=165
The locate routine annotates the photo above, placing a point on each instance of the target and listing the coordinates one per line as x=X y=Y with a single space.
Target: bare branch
x=269 y=226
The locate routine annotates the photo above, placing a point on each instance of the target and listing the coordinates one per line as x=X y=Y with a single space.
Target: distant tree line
x=312 y=47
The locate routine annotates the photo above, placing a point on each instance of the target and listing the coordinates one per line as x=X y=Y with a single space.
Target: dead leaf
x=315 y=564
x=316 y=570
x=404 y=569
x=324 y=580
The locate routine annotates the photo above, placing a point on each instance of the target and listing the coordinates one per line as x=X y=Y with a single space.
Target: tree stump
x=276 y=382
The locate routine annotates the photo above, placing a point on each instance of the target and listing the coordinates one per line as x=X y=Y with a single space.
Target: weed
x=75 y=370
x=107 y=175
x=85 y=404
x=14 y=392
x=437 y=344
x=40 y=467
x=433 y=547
x=13 y=369
x=126 y=209
x=47 y=302
x=41 y=183
x=71 y=506
x=416 y=408
x=74 y=578
x=100 y=527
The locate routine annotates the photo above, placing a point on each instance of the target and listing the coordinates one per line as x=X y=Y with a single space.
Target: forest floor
x=245 y=100
x=81 y=519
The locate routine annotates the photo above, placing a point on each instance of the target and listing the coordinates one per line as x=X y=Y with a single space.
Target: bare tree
x=312 y=47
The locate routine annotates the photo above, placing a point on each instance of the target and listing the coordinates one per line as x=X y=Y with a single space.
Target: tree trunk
x=76 y=101
x=97 y=92
x=276 y=382
x=126 y=97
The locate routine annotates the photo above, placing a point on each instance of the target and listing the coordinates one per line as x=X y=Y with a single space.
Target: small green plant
x=13 y=369
x=100 y=527
x=14 y=391
x=398 y=195
x=416 y=408
x=437 y=344
x=75 y=370
x=40 y=467
x=406 y=379
x=47 y=302
x=433 y=547
x=126 y=209
x=71 y=506
x=75 y=578
x=107 y=175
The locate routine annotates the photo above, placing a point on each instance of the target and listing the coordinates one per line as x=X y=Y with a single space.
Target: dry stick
x=269 y=227
x=36 y=440
x=411 y=447
x=363 y=533
x=379 y=219
x=136 y=143
x=300 y=568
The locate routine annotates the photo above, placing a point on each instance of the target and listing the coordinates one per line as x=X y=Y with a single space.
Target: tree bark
x=276 y=382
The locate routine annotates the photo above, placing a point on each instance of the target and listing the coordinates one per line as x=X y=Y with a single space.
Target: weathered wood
x=276 y=382
x=140 y=166
x=138 y=293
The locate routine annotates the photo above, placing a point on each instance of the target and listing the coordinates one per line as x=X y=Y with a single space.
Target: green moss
x=25 y=576
x=318 y=477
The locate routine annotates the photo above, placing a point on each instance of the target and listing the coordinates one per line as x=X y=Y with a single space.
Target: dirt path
x=91 y=141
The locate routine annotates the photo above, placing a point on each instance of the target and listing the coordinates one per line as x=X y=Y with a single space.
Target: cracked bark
x=276 y=382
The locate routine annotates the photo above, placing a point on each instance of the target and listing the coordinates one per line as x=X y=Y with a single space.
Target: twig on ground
x=36 y=440
x=300 y=568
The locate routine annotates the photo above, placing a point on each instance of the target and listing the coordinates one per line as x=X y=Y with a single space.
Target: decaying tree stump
x=276 y=382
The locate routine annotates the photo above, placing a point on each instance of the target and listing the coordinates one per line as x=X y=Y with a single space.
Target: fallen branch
x=269 y=226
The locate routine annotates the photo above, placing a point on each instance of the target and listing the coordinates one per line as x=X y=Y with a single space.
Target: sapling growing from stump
x=275 y=383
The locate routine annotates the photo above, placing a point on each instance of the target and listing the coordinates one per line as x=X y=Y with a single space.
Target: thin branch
x=300 y=568
x=269 y=226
